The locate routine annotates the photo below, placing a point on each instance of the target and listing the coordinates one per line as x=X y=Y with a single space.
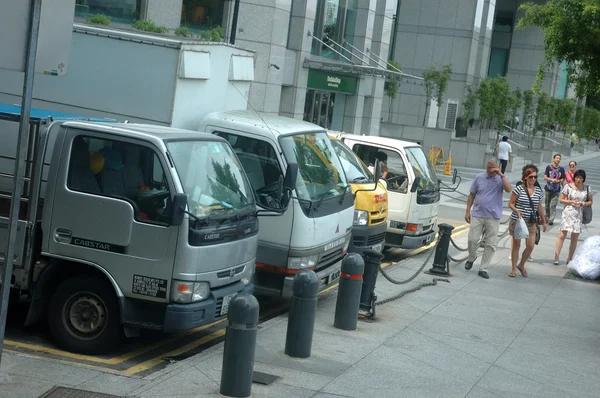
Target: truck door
x=111 y=202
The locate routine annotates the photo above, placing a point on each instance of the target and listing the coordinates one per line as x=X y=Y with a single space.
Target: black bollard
x=301 y=319
x=440 y=260
x=348 y=297
x=240 y=344
x=367 y=295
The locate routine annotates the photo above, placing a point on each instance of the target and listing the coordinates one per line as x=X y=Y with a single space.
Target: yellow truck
x=370 y=206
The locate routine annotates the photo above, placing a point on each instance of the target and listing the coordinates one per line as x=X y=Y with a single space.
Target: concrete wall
x=426 y=137
x=468 y=154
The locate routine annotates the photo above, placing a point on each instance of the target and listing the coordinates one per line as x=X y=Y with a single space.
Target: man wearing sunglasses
x=554 y=177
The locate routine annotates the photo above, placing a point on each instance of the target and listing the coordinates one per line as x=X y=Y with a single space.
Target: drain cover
x=263 y=378
x=65 y=392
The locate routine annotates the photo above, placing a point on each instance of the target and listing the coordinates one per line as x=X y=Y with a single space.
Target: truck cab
x=412 y=186
x=370 y=206
x=132 y=226
x=314 y=231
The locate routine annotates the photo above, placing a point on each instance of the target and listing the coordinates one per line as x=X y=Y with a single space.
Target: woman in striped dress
x=525 y=201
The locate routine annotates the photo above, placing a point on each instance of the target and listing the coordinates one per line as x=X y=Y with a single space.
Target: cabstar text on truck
x=314 y=231
x=370 y=205
x=412 y=185
x=126 y=226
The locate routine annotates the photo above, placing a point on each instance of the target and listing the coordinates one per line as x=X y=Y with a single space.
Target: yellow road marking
x=149 y=364
x=99 y=368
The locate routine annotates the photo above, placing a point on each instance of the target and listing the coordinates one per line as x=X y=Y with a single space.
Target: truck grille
x=228 y=274
x=360 y=241
x=329 y=259
x=377 y=217
x=218 y=307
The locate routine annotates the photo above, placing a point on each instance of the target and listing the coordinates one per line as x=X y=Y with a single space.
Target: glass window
x=211 y=177
x=128 y=171
x=356 y=171
x=320 y=173
x=498 y=62
x=334 y=23
x=422 y=168
x=261 y=165
x=202 y=15
x=120 y=11
x=391 y=163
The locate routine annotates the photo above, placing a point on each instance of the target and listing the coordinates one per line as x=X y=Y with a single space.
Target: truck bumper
x=188 y=316
x=408 y=241
x=367 y=237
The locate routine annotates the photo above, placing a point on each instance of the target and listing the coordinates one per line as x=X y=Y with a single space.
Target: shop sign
x=323 y=80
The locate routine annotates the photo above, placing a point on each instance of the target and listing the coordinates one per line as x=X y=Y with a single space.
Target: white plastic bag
x=521 y=231
x=586 y=261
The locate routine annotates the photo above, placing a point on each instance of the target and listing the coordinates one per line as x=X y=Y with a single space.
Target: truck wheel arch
x=57 y=271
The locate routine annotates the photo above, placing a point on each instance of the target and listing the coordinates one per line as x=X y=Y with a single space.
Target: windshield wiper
x=361 y=180
x=321 y=197
x=344 y=193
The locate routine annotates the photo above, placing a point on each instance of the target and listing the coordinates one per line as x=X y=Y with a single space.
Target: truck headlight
x=361 y=217
x=302 y=262
x=189 y=292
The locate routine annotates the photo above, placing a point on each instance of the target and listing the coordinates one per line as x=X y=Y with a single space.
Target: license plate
x=336 y=243
x=335 y=276
x=225 y=305
x=377 y=247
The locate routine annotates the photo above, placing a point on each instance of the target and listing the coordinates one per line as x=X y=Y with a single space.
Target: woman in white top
x=504 y=153
x=574 y=196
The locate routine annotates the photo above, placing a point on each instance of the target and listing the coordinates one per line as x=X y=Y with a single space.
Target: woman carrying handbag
x=526 y=203
x=577 y=198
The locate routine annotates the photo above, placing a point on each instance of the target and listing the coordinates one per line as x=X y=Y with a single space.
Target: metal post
x=36 y=6
x=240 y=344
x=367 y=295
x=348 y=297
x=301 y=319
x=440 y=261
x=234 y=21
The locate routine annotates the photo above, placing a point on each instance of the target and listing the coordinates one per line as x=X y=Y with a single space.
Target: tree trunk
x=425 y=115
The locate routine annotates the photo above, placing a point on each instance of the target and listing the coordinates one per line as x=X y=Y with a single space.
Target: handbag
x=534 y=218
x=587 y=211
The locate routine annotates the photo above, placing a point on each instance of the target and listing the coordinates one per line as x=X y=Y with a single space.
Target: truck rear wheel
x=84 y=316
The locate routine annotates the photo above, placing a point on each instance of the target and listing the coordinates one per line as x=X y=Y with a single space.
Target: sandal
x=523 y=272
x=512 y=275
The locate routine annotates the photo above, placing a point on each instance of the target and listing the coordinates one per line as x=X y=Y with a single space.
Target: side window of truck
x=123 y=170
x=261 y=165
x=391 y=163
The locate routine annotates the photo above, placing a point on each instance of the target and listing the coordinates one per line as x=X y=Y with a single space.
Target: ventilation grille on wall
x=451 y=113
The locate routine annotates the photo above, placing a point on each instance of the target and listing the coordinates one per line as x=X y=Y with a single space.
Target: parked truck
x=314 y=231
x=126 y=227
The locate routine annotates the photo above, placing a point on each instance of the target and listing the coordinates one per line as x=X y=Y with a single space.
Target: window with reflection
x=119 y=11
x=334 y=25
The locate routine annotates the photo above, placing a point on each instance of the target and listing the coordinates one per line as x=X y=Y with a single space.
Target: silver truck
x=125 y=226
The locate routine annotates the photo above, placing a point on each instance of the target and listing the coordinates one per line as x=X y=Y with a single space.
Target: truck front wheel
x=84 y=316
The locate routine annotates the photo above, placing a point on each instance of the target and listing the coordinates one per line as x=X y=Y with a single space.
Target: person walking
x=571 y=172
x=504 y=153
x=574 y=196
x=485 y=199
x=554 y=177
x=526 y=203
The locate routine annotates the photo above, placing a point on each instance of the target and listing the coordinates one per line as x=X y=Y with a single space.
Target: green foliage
x=571 y=33
x=183 y=31
x=515 y=102
x=579 y=116
x=392 y=85
x=495 y=101
x=485 y=95
x=469 y=105
x=149 y=26
x=436 y=82
x=591 y=123
x=98 y=19
x=565 y=112
x=541 y=111
x=527 y=108
x=215 y=34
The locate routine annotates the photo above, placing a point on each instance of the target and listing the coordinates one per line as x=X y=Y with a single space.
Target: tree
x=565 y=113
x=527 y=107
x=501 y=104
x=436 y=82
x=591 y=123
x=571 y=33
x=485 y=95
x=516 y=100
x=392 y=85
x=579 y=116
x=541 y=112
x=469 y=105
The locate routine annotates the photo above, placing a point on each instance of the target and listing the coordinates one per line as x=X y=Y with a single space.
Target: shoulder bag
x=534 y=217
x=587 y=210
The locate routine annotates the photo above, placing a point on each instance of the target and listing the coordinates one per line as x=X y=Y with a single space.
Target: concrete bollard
x=301 y=319
x=440 y=261
x=367 y=295
x=240 y=344
x=348 y=297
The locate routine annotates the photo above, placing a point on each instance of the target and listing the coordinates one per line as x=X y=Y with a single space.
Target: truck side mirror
x=415 y=184
x=454 y=175
x=178 y=209
x=289 y=183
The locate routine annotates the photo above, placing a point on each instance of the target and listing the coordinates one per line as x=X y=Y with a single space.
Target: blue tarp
x=41 y=114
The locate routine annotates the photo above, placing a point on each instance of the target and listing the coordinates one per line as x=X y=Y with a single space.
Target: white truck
x=125 y=226
x=412 y=184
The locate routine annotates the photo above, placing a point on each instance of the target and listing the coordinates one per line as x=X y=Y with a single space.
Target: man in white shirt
x=504 y=153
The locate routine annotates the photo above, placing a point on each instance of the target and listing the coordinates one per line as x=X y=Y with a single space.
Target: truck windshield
x=423 y=169
x=356 y=171
x=320 y=174
x=211 y=177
